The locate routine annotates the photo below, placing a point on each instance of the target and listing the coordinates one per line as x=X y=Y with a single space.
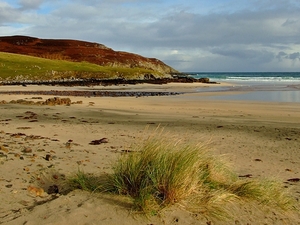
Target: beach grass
x=161 y=172
x=84 y=181
x=22 y=67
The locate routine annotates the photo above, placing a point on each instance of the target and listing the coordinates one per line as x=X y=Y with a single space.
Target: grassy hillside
x=21 y=67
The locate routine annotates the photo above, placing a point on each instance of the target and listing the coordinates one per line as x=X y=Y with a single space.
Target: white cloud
x=7 y=13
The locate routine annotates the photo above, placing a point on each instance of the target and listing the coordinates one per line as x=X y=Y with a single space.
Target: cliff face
x=78 y=51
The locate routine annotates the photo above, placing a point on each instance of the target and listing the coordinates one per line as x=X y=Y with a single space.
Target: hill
x=16 y=67
x=96 y=60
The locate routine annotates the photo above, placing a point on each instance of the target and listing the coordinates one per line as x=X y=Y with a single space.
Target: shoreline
x=125 y=90
x=211 y=91
x=257 y=138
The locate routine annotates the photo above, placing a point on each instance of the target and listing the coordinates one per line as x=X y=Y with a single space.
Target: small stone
x=247 y=175
x=69 y=143
x=48 y=157
x=294 y=180
x=27 y=150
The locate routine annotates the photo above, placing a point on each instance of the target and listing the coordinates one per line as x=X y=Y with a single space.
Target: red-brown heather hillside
x=77 y=51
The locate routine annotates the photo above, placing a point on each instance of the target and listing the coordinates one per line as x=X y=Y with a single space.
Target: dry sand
x=261 y=139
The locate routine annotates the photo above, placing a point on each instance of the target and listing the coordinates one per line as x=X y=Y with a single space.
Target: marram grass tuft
x=163 y=171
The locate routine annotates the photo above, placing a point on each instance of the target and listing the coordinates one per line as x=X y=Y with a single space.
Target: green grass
x=84 y=181
x=21 y=67
x=162 y=172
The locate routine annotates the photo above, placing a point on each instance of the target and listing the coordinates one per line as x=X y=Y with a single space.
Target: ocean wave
x=262 y=78
x=251 y=77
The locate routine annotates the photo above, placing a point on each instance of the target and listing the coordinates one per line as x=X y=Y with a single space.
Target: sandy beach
x=261 y=139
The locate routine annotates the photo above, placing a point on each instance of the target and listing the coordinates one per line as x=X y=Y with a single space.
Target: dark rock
x=48 y=157
x=247 y=175
x=98 y=142
x=294 y=180
x=17 y=135
x=37 y=98
x=53 y=189
x=204 y=80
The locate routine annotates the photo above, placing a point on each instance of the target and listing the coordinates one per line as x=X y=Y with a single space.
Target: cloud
x=30 y=4
x=295 y=55
x=243 y=53
x=236 y=34
x=281 y=55
x=7 y=13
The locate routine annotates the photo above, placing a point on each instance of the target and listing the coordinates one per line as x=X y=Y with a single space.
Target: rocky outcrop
x=108 y=82
x=67 y=101
x=58 y=101
x=50 y=102
x=78 y=51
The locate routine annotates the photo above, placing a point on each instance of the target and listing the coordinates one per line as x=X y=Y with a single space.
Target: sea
x=258 y=86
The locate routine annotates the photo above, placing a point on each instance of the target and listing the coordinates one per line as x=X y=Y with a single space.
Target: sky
x=189 y=35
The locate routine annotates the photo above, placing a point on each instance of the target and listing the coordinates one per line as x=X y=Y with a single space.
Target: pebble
x=48 y=157
x=27 y=150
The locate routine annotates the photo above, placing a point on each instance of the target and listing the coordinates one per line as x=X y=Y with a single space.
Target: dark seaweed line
x=93 y=93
